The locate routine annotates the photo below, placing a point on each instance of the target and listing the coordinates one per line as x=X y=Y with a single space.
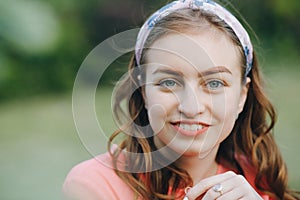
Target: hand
x=227 y=186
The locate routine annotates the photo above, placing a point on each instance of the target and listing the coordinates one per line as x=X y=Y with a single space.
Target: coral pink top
x=95 y=179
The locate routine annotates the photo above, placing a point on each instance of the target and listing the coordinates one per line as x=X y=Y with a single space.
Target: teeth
x=193 y=127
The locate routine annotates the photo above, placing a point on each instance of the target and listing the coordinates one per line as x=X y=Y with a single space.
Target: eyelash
x=163 y=83
x=221 y=84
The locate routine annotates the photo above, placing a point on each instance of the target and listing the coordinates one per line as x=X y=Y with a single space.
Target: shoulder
x=95 y=179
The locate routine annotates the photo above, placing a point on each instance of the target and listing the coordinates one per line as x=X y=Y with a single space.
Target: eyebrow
x=214 y=70
x=210 y=71
x=168 y=71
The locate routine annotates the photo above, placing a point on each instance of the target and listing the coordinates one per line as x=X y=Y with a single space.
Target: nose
x=191 y=102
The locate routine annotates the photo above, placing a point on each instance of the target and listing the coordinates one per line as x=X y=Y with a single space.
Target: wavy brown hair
x=251 y=136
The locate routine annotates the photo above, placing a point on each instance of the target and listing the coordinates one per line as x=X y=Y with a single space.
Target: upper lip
x=190 y=122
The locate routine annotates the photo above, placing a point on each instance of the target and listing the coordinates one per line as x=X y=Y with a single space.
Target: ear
x=243 y=95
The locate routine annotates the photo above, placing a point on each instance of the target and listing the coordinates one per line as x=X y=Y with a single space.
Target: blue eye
x=168 y=83
x=214 y=84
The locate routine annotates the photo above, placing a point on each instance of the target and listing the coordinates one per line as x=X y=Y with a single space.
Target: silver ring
x=218 y=188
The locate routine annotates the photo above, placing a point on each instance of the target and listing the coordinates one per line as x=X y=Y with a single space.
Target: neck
x=198 y=167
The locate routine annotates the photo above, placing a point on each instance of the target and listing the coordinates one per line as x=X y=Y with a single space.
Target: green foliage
x=287 y=9
x=29 y=26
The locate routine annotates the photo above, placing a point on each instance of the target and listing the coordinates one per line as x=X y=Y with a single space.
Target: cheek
x=232 y=111
x=159 y=106
x=157 y=117
x=224 y=111
x=225 y=106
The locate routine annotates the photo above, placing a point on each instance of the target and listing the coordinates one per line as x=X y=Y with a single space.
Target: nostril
x=191 y=109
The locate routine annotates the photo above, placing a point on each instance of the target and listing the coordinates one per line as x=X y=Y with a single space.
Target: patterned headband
x=206 y=5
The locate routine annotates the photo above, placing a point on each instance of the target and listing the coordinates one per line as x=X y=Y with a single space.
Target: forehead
x=205 y=49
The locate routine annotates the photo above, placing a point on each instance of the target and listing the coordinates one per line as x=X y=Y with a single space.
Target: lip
x=182 y=131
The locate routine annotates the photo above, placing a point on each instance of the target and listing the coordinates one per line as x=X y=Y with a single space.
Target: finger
x=236 y=193
x=211 y=194
x=244 y=191
x=227 y=193
x=223 y=187
x=240 y=189
x=236 y=187
x=207 y=183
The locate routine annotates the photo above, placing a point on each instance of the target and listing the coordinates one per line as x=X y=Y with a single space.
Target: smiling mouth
x=190 y=129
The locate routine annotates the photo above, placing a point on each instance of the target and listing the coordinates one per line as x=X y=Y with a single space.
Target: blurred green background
x=42 y=45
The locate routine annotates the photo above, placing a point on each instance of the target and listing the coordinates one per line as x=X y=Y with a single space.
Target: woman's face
x=193 y=91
